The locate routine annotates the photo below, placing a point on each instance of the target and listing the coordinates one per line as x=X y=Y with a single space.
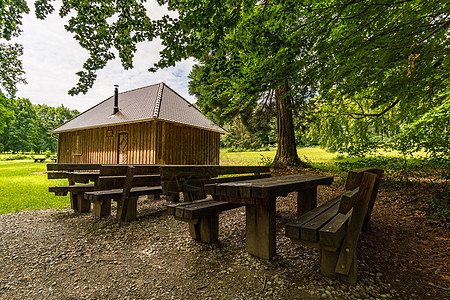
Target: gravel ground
x=59 y=254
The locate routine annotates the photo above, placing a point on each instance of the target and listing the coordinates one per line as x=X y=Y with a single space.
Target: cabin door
x=122 y=153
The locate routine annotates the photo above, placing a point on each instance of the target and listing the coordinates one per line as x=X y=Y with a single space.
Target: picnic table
x=259 y=196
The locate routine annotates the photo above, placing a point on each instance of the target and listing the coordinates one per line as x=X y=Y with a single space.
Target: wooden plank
x=283 y=187
x=310 y=230
x=276 y=186
x=168 y=172
x=354 y=177
x=347 y=253
x=366 y=224
x=332 y=233
x=177 y=185
x=66 y=167
x=120 y=169
x=117 y=194
x=71 y=188
x=171 y=208
x=180 y=210
x=126 y=192
x=114 y=182
x=292 y=229
x=57 y=175
x=206 y=209
x=348 y=200
x=83 y=177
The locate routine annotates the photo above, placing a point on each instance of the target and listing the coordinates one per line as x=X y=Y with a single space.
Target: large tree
x=375 y=66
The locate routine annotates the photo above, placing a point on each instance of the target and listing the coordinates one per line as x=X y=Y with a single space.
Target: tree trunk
x=286 y=150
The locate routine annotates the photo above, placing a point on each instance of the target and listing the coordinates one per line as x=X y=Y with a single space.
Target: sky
x=52 y=57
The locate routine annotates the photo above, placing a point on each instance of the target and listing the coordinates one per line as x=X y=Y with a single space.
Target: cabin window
x=109 y=133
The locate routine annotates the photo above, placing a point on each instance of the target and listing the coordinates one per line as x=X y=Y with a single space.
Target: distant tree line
x=25 y=126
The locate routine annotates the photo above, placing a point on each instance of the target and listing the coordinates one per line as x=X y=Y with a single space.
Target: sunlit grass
x=312 y=154
x=24 y=186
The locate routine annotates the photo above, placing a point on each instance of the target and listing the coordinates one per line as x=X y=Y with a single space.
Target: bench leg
x=205 y=229
x=260 y=229
x=306 y=200
x=83 y=205
x=173 y=197
x=154 y=197
x=131 y=210
x=102 y=208
x=190 y=196
x=328 y=260
x=352 y=275
x=73 y=201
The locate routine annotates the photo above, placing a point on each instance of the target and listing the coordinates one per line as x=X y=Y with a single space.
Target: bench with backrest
x=75 y=173
x=335 y=226
x=202 y=214
x=124 y=184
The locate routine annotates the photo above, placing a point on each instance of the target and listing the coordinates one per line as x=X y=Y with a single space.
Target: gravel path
x=50 y=254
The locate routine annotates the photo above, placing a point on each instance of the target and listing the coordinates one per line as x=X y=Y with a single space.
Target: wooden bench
x=85 y=173
x=203 y=215
x=335 y=226
x=124 y=184
x=38 y=159
x=191 y=179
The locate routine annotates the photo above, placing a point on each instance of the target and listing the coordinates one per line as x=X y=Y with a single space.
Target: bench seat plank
x=211 y=208
x=333 y=232
x=79 y=188
x=110 y=182
x=117 y=194
x=293 y=228
x=310 y=230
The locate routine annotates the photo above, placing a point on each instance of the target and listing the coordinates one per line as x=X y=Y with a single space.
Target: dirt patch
x=51 y=254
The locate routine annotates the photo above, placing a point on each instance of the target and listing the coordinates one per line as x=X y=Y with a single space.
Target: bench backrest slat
x=72 y=167
x=355 y=224
x=126 y=192
x=122 y=169
x=169 y=172
x=348 y=200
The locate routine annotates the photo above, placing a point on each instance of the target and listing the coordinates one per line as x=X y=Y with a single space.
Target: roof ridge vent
x=158 y=101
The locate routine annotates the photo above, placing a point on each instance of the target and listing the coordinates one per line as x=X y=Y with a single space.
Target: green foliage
x=430 y=132
x=11 y=69
x=438 y=207
x=28 y=125
x=369 y=69
x=240 y=137
x=383 y=66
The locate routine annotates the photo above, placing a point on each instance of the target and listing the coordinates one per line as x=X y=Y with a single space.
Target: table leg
x=306 y=200
x=260 y=227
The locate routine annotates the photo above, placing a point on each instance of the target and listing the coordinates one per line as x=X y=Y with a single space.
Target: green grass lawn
x=24 y=186
x=313 y=154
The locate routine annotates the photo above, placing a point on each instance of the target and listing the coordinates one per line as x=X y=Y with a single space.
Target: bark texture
x=286 y=151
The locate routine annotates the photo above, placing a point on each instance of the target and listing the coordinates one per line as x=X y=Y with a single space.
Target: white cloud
x=52 y=57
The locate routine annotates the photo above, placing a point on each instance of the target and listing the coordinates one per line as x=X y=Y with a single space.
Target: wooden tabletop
x=268 y=187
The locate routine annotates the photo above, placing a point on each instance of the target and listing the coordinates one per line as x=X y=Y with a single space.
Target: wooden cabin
x=149 y=125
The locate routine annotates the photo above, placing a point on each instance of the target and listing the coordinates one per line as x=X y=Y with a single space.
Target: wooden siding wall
x=148 y=142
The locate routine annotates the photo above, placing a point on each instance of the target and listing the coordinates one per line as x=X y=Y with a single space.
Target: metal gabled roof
x=153 y=102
